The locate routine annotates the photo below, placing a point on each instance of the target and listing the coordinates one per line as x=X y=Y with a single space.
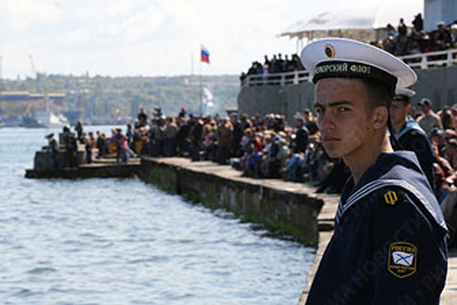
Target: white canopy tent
x=361 y=23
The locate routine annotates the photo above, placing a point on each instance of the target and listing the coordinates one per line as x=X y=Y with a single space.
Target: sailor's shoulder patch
x=402 y=260
x=392 y=196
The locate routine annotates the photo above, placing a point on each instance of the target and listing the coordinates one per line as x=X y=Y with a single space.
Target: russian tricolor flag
x=204 y=55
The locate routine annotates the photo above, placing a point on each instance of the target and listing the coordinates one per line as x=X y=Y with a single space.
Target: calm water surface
x=118 y=241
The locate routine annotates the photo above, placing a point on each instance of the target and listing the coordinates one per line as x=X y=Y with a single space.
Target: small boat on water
x=49 y=119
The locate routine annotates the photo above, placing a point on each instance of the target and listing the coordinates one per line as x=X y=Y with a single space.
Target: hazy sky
x=157 y=37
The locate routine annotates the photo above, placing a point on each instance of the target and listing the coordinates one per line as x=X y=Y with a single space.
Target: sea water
x=121 y=241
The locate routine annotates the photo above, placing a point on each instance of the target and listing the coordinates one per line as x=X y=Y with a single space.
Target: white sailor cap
x=340 y=57
x=405 y=92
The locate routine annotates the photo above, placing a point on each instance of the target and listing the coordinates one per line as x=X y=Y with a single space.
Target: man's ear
x=408 y=108
x=380 y=117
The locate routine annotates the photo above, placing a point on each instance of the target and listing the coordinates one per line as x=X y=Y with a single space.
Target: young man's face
x=398 y=112
x=342 y=116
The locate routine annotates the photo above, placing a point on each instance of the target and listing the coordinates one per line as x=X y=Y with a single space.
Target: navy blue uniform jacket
x=413 y=138
x=389 y=242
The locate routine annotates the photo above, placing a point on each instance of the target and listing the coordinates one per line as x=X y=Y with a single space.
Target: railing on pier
x=421 y=61
x=288 y=78
x=424 y=61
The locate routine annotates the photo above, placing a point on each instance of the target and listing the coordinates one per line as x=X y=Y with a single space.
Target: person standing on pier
x=389 y=244
x=71 y=147
x=53 y=147
x=301 y=134
x=79 y=132
x=429 y=119
x=409 y=133
x=142 y=118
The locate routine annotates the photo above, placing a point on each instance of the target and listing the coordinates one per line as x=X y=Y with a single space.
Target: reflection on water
x=118 y=241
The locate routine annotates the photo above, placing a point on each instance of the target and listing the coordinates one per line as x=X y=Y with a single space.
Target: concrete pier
x=284 y=206
x=102 y=168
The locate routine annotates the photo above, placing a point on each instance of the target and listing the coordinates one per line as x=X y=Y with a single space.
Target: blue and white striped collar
x=398 y=169
x=410 y=124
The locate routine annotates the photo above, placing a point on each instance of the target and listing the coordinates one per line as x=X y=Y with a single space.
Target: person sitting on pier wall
x=250 y=162
x=275 y=155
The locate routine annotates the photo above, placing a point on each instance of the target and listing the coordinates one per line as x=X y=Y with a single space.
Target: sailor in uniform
x=389 y=243
x=409 y=133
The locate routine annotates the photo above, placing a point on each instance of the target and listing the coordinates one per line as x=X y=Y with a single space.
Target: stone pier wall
x=276 y=205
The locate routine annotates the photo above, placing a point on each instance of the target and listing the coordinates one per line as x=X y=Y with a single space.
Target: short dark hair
x=378 y=94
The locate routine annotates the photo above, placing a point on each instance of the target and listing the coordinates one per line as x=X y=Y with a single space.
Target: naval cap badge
x=329 y=50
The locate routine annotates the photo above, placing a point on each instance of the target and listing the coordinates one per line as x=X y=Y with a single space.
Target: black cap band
x=401 y=97
x=354 y=70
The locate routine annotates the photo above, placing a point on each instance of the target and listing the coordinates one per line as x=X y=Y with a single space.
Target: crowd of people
x=262 y=147
x=401 y=40
x=275 y=64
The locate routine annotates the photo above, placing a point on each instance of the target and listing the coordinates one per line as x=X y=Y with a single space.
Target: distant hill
x=109 y=97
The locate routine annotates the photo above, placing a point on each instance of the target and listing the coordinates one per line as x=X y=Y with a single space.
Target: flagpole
x=201 y=90
x=191 y=63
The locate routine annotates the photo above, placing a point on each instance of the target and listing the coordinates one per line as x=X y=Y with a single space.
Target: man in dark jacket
x=301 y=134
x=197 y=133
x=409 y=133
x=71 y=147
x=389 y=244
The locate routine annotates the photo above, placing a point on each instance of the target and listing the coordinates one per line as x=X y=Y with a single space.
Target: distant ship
x=49 y=119
x=23 y=106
